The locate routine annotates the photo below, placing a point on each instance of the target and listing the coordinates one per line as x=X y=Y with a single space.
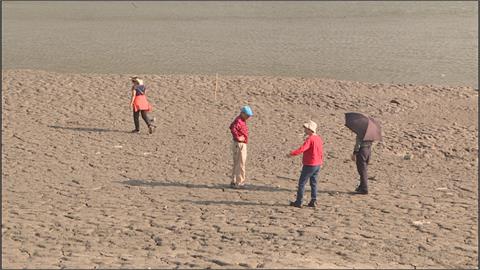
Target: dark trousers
x=308 y=172
x=136 y=118
x=362 y=160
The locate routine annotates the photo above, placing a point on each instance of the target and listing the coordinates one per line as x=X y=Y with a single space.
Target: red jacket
x=239 y=128
x=312 y=150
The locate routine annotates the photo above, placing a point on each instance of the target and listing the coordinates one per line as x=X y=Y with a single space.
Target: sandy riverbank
x=79 y=191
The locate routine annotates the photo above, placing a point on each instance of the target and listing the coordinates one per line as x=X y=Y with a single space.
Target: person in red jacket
x=239 y=130
x=312 y=150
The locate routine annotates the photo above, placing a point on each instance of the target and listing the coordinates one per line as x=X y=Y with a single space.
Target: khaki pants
x=239 y=151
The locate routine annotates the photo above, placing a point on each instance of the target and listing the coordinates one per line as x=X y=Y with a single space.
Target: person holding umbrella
x=312 y=150
x=367 y=130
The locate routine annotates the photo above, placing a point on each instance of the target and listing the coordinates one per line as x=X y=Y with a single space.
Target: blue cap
x=247 y=110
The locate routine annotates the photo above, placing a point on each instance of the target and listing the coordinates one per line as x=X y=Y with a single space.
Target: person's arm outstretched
x=302 y=148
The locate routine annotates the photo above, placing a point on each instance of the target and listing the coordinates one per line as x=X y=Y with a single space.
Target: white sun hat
x=311 y=125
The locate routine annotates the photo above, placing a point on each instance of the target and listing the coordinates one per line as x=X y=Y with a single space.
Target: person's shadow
x=250 y=187
x=223 y=187
x=86 y=129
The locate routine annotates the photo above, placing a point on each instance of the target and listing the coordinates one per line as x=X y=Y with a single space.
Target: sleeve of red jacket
x=302 y=148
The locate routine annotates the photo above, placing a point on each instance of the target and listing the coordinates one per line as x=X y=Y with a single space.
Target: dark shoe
x=151 y=129
x=361 y=191
x=359 y=188
x=232 y=184
x=135 y=131
x=312 y=203
x=294 y=204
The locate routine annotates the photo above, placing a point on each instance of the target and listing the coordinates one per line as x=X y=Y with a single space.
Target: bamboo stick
x=216 y=86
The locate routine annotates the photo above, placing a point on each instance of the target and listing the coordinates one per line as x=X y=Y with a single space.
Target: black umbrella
x=364 y=126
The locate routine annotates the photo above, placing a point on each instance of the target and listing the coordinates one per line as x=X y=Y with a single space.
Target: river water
x=381 y=42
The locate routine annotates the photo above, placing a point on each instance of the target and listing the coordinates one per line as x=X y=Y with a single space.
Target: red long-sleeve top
x=312 y=150
x=239 y=128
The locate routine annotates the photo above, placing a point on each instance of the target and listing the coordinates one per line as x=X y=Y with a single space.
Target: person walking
x=312 y=161
x=140 y=105
x=239 y=130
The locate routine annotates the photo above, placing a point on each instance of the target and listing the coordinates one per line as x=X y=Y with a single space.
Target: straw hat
x=136 y=79
x=311 y=125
